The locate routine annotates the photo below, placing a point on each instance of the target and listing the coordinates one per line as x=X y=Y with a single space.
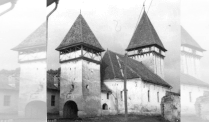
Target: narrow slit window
x=121 y=95
x=53 y=100
x=190 y=96
x=7 y=100
x=107 y=95
x=148 y=95
x=158 y=99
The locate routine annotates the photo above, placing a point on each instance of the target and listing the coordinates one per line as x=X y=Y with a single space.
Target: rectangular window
x=148 y=95
x=107 y=95
x=7 y=99
x=190 y=96
x=53 y=100
x=158 y=99
x=121 y=95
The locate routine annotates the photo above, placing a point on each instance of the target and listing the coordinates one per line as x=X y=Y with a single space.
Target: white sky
x=16 y=25
x=195 y=19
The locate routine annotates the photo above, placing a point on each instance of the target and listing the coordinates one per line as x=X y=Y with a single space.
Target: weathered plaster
x=154 y=62
x=187 y=106
x=170 y=107
x=190 y=64
x=32 y=82
x=80 y=82
x=137 y=96
x=202 y=105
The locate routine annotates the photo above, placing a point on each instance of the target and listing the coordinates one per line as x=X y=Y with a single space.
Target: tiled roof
x=36 y=39
x=189 y=80
x=80 y=34
x=186 y=39
x=50 y=82
x=104 y=88
x=4 y=83
x=112 y=64
x=145 y=35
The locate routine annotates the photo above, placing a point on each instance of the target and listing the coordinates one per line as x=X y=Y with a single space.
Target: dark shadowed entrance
x=35 y=109
x=70 y=110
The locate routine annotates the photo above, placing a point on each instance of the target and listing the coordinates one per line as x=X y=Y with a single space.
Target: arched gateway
x=35 y=109
x=70 y=110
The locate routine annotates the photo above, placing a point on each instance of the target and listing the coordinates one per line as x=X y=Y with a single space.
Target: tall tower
x=32 y=87
x=191 y=53
x=146 y=46
x=80 y=56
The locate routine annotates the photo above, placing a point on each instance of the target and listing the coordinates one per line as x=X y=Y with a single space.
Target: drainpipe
x=13 y=2
x=49 y=2
x=47 y=17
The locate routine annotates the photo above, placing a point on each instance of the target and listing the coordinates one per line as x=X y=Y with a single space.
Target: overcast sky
x=195 y=19
x=16 y=25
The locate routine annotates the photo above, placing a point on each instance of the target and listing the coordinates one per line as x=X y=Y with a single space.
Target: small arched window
x=105 y=106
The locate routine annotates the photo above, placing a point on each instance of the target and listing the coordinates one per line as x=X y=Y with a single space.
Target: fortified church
x=92 y=84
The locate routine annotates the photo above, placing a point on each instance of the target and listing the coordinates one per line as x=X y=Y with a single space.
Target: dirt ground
x=191 y=119
x=119 y=118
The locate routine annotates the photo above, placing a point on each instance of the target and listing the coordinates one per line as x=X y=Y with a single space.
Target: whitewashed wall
x=187 y=106
x=137 y=96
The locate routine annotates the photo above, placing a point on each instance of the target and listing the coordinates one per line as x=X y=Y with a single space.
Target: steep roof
x=104 y=88
x=145 y=35
x=80 y=33
x=36 y=39
x=50 y=82
x=186 y=39
x=189 y=80
x=112 y=64
x=4 y=83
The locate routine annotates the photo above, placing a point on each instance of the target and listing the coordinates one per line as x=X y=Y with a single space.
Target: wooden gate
x=35 y=109
x=70 y=110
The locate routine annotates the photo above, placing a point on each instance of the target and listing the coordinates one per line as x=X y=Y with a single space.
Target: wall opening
x=70 y=110
x=104 y=106
x=52 y=100
x=7 y=100
x=35 y=109
x=107 y=95
x=148 y=95
x=158 y=99
x=190 y=96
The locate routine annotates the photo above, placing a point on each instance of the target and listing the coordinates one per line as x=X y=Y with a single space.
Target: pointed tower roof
x=187 y=40
x=80 y=34
x=145 y=35
x=36 y=39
